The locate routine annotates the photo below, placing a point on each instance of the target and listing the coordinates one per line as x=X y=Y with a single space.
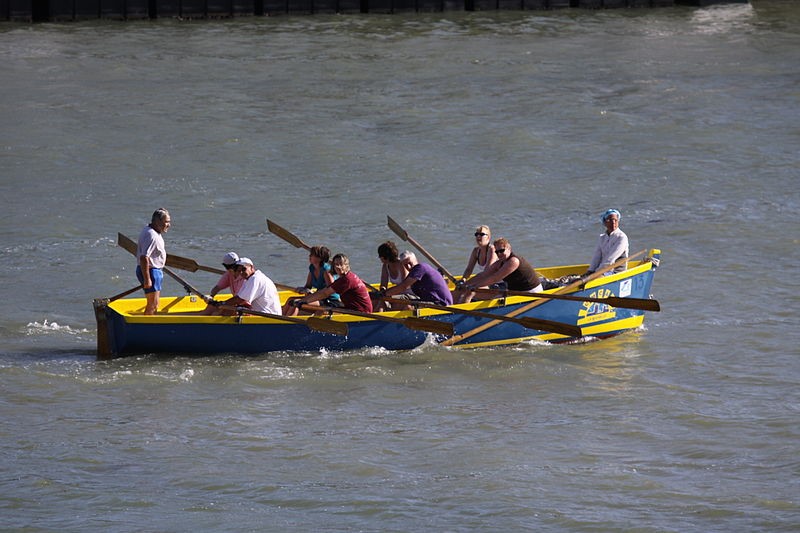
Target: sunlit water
x=533 y=123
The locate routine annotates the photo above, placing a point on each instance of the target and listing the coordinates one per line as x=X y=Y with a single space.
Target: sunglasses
x=500 y=251
x=480 y=234
x=229 y=267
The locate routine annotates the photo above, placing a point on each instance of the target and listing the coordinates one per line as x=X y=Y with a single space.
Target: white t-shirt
x=151 y=244
x=261 y=294
x=610 y=248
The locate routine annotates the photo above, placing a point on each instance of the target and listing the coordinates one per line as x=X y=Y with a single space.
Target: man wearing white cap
x=611 y=246
x=258 y=292
x=229 y=280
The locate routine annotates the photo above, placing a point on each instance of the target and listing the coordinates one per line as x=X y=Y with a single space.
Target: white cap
x=244 y=261
x=230 y=258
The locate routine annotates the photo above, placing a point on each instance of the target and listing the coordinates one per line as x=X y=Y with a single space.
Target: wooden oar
x=286 y=235
x=315 y=323
x=403 y=234
x=319 y=324
x=572 y=286
x=528 y=322
x=175 y=261
x=643 y=304
x=294 y=240
x=124 y=294
x=421 y=324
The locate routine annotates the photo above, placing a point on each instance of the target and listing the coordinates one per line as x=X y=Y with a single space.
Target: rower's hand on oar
x=298 y=303
x=210 y=300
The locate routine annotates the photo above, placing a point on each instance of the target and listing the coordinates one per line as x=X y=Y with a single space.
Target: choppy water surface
x=533 y=123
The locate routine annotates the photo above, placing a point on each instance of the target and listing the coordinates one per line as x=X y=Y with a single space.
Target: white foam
x=47 y=327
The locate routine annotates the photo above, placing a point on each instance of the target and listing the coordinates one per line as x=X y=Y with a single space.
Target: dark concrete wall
x=69 y=10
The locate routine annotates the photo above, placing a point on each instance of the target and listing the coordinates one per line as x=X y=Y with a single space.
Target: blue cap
x=609 y=212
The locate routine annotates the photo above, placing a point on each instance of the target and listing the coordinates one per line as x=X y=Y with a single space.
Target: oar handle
x=403 y=234
x=186 y=285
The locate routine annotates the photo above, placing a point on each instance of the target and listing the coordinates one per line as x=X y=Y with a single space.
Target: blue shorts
x=156 y=276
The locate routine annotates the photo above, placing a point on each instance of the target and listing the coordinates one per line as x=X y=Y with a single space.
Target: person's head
x=408 y=259
x=483 y=235
x=502 y=248
x=321 y=253
x=611 y=218
x=229 y=260
x=388 y=252
x=244 y=267
x=341 y=264
x=160 y=221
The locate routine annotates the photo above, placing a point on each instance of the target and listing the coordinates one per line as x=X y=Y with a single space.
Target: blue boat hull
x=124 y=330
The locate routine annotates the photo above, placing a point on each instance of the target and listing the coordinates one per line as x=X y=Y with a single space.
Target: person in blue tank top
x=320 y=276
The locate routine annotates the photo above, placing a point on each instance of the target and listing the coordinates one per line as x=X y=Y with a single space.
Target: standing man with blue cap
x=612 y=245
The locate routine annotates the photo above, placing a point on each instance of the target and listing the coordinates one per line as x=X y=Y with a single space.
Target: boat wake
x=47 y=328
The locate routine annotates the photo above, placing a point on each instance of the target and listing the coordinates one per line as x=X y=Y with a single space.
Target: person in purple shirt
x=424 y=281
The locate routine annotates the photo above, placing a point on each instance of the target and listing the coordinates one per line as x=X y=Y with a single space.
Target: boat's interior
x=187 y=307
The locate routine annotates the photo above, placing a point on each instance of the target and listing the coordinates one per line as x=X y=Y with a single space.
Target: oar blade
x=328 y=326
x=431 y=326
x=643 y=304
x=175 y=261
x=182 y=263
x=395 y=227
x=286 y=235
x=208 y=268
x=126 y=243
x=551 y=326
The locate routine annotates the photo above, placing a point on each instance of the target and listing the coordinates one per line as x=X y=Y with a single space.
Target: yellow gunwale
x=132 y=309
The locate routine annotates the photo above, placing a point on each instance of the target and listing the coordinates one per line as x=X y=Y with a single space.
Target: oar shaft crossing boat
x=123 y=328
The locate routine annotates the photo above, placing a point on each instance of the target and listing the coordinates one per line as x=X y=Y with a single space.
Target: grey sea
x=687 y=120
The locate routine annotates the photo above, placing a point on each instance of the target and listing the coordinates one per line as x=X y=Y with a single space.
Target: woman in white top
x=392 y=270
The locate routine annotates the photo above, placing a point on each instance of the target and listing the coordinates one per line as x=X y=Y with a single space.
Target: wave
x=46 y=327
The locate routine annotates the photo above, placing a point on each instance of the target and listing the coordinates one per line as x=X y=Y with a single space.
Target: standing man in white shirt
x=152 y=256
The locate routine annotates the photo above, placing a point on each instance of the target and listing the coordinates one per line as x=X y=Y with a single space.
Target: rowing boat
x=123 y=329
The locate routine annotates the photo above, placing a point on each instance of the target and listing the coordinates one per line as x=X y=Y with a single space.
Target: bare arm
x=473 y=258
x=402 y=287
x=144 y=264
x=384 y=276
x=496 y=272
x=319 y=295
x=307 y=286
